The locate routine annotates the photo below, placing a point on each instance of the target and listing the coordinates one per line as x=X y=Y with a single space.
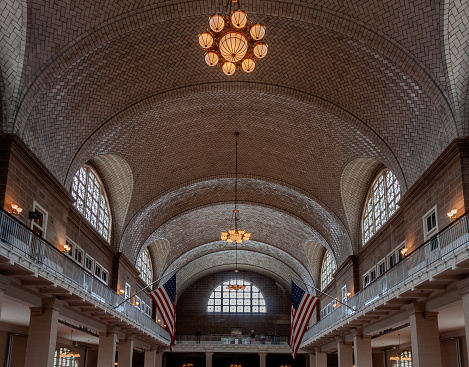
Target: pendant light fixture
x=240 y=285
x=399 y=356
x=70 y=353
x=233 y=42
x=235 y=234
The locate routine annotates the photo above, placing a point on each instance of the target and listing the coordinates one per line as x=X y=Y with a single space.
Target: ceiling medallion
x=232 y=42
x=235 y=234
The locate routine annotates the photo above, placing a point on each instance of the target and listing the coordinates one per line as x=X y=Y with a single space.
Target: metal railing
x=17 y=236
x=231 y=339
x=439 y=248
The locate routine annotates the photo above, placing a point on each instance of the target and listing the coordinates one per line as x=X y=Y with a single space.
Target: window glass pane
x=328 y=268
x=232 y=301
x=381 y=203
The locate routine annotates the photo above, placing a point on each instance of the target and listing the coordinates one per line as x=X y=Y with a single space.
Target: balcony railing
x=217 y=339
x=16 y=235
x=439 y=248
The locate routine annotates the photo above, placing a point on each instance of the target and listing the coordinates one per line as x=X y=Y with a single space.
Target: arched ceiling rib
x=307 y=211
x=213 y=262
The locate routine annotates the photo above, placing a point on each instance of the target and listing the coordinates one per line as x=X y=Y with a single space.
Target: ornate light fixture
x=70 y=353
x=235 y=234
x=232 y=42
x=399 y=356
x=236 y=287
x=188 y=364
x=235 y=365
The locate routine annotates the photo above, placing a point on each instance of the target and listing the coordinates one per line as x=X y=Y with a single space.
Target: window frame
x=331 y=268
x=148 y=267
x=384 y=215
x=90 y=270
x=369 y=274
x=102 y=191
x=227 y=302
x=102 y=270
x=45 y=217
x=427 y=234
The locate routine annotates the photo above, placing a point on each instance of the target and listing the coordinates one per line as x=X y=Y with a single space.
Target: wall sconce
x=349 y=294
x=121 y=291
x=404 y=251
x=16 y=210
x=158 y=321
x=334 y=305
x=65 y=248
x=452 y=215
x=137 y=303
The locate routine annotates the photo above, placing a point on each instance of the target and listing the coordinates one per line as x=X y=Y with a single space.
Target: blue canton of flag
x=165 y=300
x=302 y=307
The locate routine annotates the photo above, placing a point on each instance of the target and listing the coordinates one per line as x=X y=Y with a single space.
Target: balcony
x=39 y=259
x=444 y=256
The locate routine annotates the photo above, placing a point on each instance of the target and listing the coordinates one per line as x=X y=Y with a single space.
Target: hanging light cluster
x=232 y=42
x=236 y=287
x=235 y=365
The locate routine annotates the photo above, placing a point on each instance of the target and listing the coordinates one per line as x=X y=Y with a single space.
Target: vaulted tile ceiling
x=346 y=87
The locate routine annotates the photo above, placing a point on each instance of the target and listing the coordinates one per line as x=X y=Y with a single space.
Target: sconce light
x=121 y=291
x=137 y=303
x=66 y=248
x=158 y=320
x=334 y=305
x=16 y=210
x=452 y=215
x=404 y=251
x=349 y=294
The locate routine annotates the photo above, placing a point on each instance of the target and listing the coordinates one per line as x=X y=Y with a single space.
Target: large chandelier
x=232 y=42
x=70 y=353
x=235 y=234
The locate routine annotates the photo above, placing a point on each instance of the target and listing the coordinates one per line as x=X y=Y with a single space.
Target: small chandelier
x=188 y=364
x=235 y=234
x=235 y=365
x=399 y=357
x=70 y=353
x=285 y=365
x=232 y=42
x=236 y=287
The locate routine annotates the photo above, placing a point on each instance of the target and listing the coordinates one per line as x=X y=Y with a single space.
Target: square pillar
x=362 y=350
x=321 y=359
x=425 y=337
x=153 y=358
x=464 y=289
x=42 y=335
x=312 y=359
x=262 y=356
x=208 y=359
x=126 y=351
x=107 y=349
x=344 y=353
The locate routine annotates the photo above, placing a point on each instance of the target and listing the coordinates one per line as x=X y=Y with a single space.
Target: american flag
x=302 y=307
x=165 y=299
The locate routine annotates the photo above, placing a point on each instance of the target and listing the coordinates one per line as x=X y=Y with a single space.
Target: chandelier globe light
x=235 y=234
x=232 y=41
x=70 y=353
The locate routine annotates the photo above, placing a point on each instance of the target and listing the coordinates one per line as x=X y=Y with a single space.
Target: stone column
x=344 y=353
x=4 y=282
x=208 y=359
x=362 y=350
x=42 y=334
x=321 y=358
x=150 y=358
x=425 y=337
x=159 y=359
x=262 y=356
x=126 y=351
x=312 y=359
x=107 y=349
x=464 y=288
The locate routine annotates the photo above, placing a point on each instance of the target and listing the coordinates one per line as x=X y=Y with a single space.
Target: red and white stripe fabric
x=165 y=300
x=302 y=307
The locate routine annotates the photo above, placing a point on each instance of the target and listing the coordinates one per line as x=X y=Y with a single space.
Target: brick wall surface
x=192 y=305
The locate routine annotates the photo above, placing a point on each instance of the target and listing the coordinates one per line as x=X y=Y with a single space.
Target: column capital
x=262 y=353
x=53 y=303
x=416 y=307
x=463 y=286
x=209 y=353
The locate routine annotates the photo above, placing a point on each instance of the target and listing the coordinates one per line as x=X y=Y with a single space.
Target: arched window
x=90 y=199
x=327 y=269
x=250 y=299
x=64 y=361
x=144 y=266
x=381 y=203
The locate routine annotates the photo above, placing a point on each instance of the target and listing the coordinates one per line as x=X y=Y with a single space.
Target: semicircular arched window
x=91 y=200
x=327 y=269
x=248 y=300
x=144 y=266
x=381 y=203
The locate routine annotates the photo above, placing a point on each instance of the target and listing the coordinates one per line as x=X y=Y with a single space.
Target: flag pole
x=149 y=285
x=328 y=295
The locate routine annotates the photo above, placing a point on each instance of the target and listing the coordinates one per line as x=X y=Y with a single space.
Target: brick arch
x=13 y=30
x=143 y=227
x=159 y=250
x=315 y=254
x=377 y=53
x=456 y=41
x=355 y=182
x=213 y=262
x=117 y=178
